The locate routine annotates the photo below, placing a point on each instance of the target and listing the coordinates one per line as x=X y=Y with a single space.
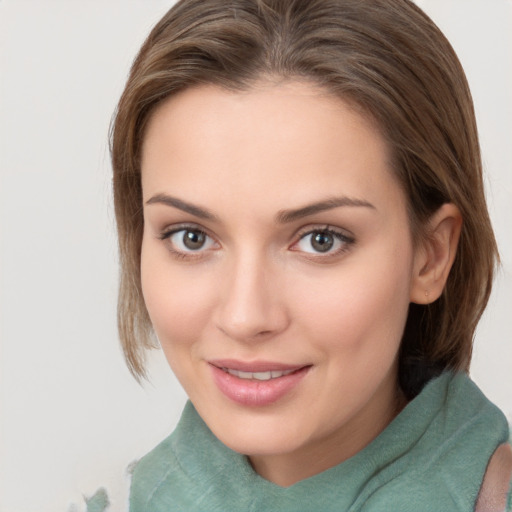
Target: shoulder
x=497 y=481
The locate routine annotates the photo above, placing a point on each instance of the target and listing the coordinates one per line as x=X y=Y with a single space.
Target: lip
x=254 y=366
x=251 y=392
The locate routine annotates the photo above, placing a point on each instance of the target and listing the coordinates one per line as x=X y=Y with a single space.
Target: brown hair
x=387 y=57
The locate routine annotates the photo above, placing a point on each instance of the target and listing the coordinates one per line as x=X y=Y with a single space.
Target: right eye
x=186 y=241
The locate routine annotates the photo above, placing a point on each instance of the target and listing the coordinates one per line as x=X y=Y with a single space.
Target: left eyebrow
x=285 y=216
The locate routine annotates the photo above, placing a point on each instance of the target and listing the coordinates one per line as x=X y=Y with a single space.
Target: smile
x=268 y=375
x=257 y=383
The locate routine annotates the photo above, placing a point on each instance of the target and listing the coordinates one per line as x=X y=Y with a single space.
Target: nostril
x=262 y=333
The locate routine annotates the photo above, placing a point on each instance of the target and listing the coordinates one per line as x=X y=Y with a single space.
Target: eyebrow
x=285 y=216
x=167 y=200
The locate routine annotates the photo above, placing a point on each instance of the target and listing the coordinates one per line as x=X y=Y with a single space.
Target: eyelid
x=166 y=234
x=181 y=226
x=347 y=240
x=312 y=228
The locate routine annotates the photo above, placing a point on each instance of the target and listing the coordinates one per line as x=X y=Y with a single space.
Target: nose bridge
x=251 y=305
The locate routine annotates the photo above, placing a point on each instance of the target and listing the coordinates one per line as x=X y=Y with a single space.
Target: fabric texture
x=432 y=457
x=99 y=502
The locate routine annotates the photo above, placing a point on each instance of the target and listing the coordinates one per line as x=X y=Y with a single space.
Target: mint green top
x=432 y=457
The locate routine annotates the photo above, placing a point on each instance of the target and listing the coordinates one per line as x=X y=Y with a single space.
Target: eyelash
x=345 y=240
x=180 y=254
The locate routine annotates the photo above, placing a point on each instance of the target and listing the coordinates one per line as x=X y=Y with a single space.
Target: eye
x=326 y=241
x=188 y=240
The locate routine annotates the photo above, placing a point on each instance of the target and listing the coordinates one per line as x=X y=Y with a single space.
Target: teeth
x=262 y=375
x=274 y=374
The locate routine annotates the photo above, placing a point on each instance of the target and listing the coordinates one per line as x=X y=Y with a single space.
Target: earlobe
x=435 y=255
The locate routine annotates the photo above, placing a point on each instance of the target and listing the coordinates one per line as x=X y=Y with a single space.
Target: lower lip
x=256 y=392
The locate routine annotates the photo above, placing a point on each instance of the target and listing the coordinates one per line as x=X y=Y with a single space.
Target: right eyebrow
x=184 y=206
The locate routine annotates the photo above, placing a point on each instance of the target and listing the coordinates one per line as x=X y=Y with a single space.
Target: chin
x=257 y=434
x=265 y=445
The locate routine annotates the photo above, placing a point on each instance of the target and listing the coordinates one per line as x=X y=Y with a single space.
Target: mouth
x=256 y=383
x=268 y=375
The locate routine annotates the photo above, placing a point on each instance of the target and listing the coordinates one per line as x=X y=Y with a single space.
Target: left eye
x=190 y=240
x=322 y=242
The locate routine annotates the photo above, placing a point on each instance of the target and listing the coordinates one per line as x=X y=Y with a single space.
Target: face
x=277 y=266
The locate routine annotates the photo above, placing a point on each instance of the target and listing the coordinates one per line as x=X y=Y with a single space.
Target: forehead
x=291 y=138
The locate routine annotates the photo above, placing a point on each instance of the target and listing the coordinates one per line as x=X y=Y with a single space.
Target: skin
x=258 y=290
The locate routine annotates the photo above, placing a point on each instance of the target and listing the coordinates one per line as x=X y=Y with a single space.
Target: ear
x=435 y=255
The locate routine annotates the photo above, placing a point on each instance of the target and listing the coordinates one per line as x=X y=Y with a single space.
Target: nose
x=252 y=305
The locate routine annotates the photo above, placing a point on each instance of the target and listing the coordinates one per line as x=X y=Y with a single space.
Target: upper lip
x=254 y=366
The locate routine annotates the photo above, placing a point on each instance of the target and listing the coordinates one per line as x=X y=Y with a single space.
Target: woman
x=302 y=224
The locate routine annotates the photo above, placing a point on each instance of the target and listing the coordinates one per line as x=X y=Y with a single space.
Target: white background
x=71 y=417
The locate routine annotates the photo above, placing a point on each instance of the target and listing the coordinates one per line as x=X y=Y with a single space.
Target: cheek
x=177 y=300
x=361 y=306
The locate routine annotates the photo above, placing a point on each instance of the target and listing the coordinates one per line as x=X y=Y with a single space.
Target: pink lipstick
x=256 y=383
